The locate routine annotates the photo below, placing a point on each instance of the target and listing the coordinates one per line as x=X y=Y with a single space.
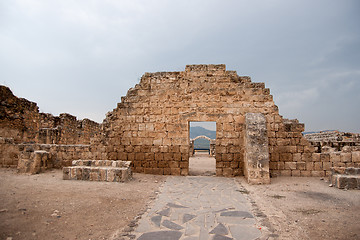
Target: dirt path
x=306 y=208
x=201 y=164
x=46 y=207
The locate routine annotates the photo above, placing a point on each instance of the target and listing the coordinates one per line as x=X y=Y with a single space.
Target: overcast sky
x=80 y=57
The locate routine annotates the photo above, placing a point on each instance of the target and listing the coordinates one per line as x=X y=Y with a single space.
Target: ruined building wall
x=151 y=124
x=18 y=117
x=21 y=123
x=334 y=141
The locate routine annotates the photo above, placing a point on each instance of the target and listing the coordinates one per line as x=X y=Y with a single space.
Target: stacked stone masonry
x=151 y=124
x=334 y=141
x=24 y=131
x=98 y=170
x=345 y=178
x=150 y=128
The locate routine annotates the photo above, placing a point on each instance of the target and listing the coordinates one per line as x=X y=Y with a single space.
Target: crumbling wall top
x=205 y=67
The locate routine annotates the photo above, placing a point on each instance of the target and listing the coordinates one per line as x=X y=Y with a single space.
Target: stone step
x=343 y=181
x=345 y=171
x=102 y=163
x=96 y=173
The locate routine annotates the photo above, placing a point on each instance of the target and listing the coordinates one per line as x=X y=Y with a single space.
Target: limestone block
x=79 y=175
x=175 y=171
x=325 y=157
x=94 y=174
x=327 y=166
x=167 y=171
x=286 y=173
x=66 y=173
x=113 y=174
x=318 y=166
x=295 y=173
x=24 y=165
x=184 y=171
x=126 y=174
x=310 y=157
x=73 y=173
x=305 y=173
x=297 y=157
x=318 y=173
x=339 y=164
x=102 y=174
x=290 y=165
x=335 y=157
x=256 y=149
x=228 y=172
x=300 y=165
x=86 y=173
x=309 y=166
x=281 y=165
x=345 y=157
x=350 y=164
x=286 y=157
x=355 y=157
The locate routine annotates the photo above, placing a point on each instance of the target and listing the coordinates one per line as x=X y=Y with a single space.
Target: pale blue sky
x=80 y=57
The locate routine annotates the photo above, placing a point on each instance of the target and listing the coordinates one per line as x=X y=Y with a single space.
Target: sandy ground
x=44 y=206
x=202 y=165
x=306 y=208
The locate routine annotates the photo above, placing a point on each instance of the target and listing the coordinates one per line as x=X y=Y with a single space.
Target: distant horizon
x=207 y=125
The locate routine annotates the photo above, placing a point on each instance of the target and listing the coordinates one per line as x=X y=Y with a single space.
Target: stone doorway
x=202 y=160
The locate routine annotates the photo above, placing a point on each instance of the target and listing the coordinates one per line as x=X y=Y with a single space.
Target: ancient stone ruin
x=150 y=128
x=212 y=145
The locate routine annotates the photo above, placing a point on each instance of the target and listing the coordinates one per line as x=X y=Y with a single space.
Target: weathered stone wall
x=66 y=129
x=332 y=141
x=290 y=152
x=21 y=123
x=19 y=117
x=150 y=127
x=9 y=152
x=151 y=124
x=62 y=155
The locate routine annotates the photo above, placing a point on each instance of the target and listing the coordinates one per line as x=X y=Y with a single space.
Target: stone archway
x=211 y=141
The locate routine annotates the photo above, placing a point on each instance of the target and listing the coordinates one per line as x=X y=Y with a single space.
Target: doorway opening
x=202 y=160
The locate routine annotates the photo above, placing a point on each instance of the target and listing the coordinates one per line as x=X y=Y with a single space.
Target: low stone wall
x=345 y=178
x=98 y=170
x=315 y=164
x=9 y=153
x=34 y=162
x=58 y=155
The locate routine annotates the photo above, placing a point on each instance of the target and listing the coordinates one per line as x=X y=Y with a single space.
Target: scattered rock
x=56 y=214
